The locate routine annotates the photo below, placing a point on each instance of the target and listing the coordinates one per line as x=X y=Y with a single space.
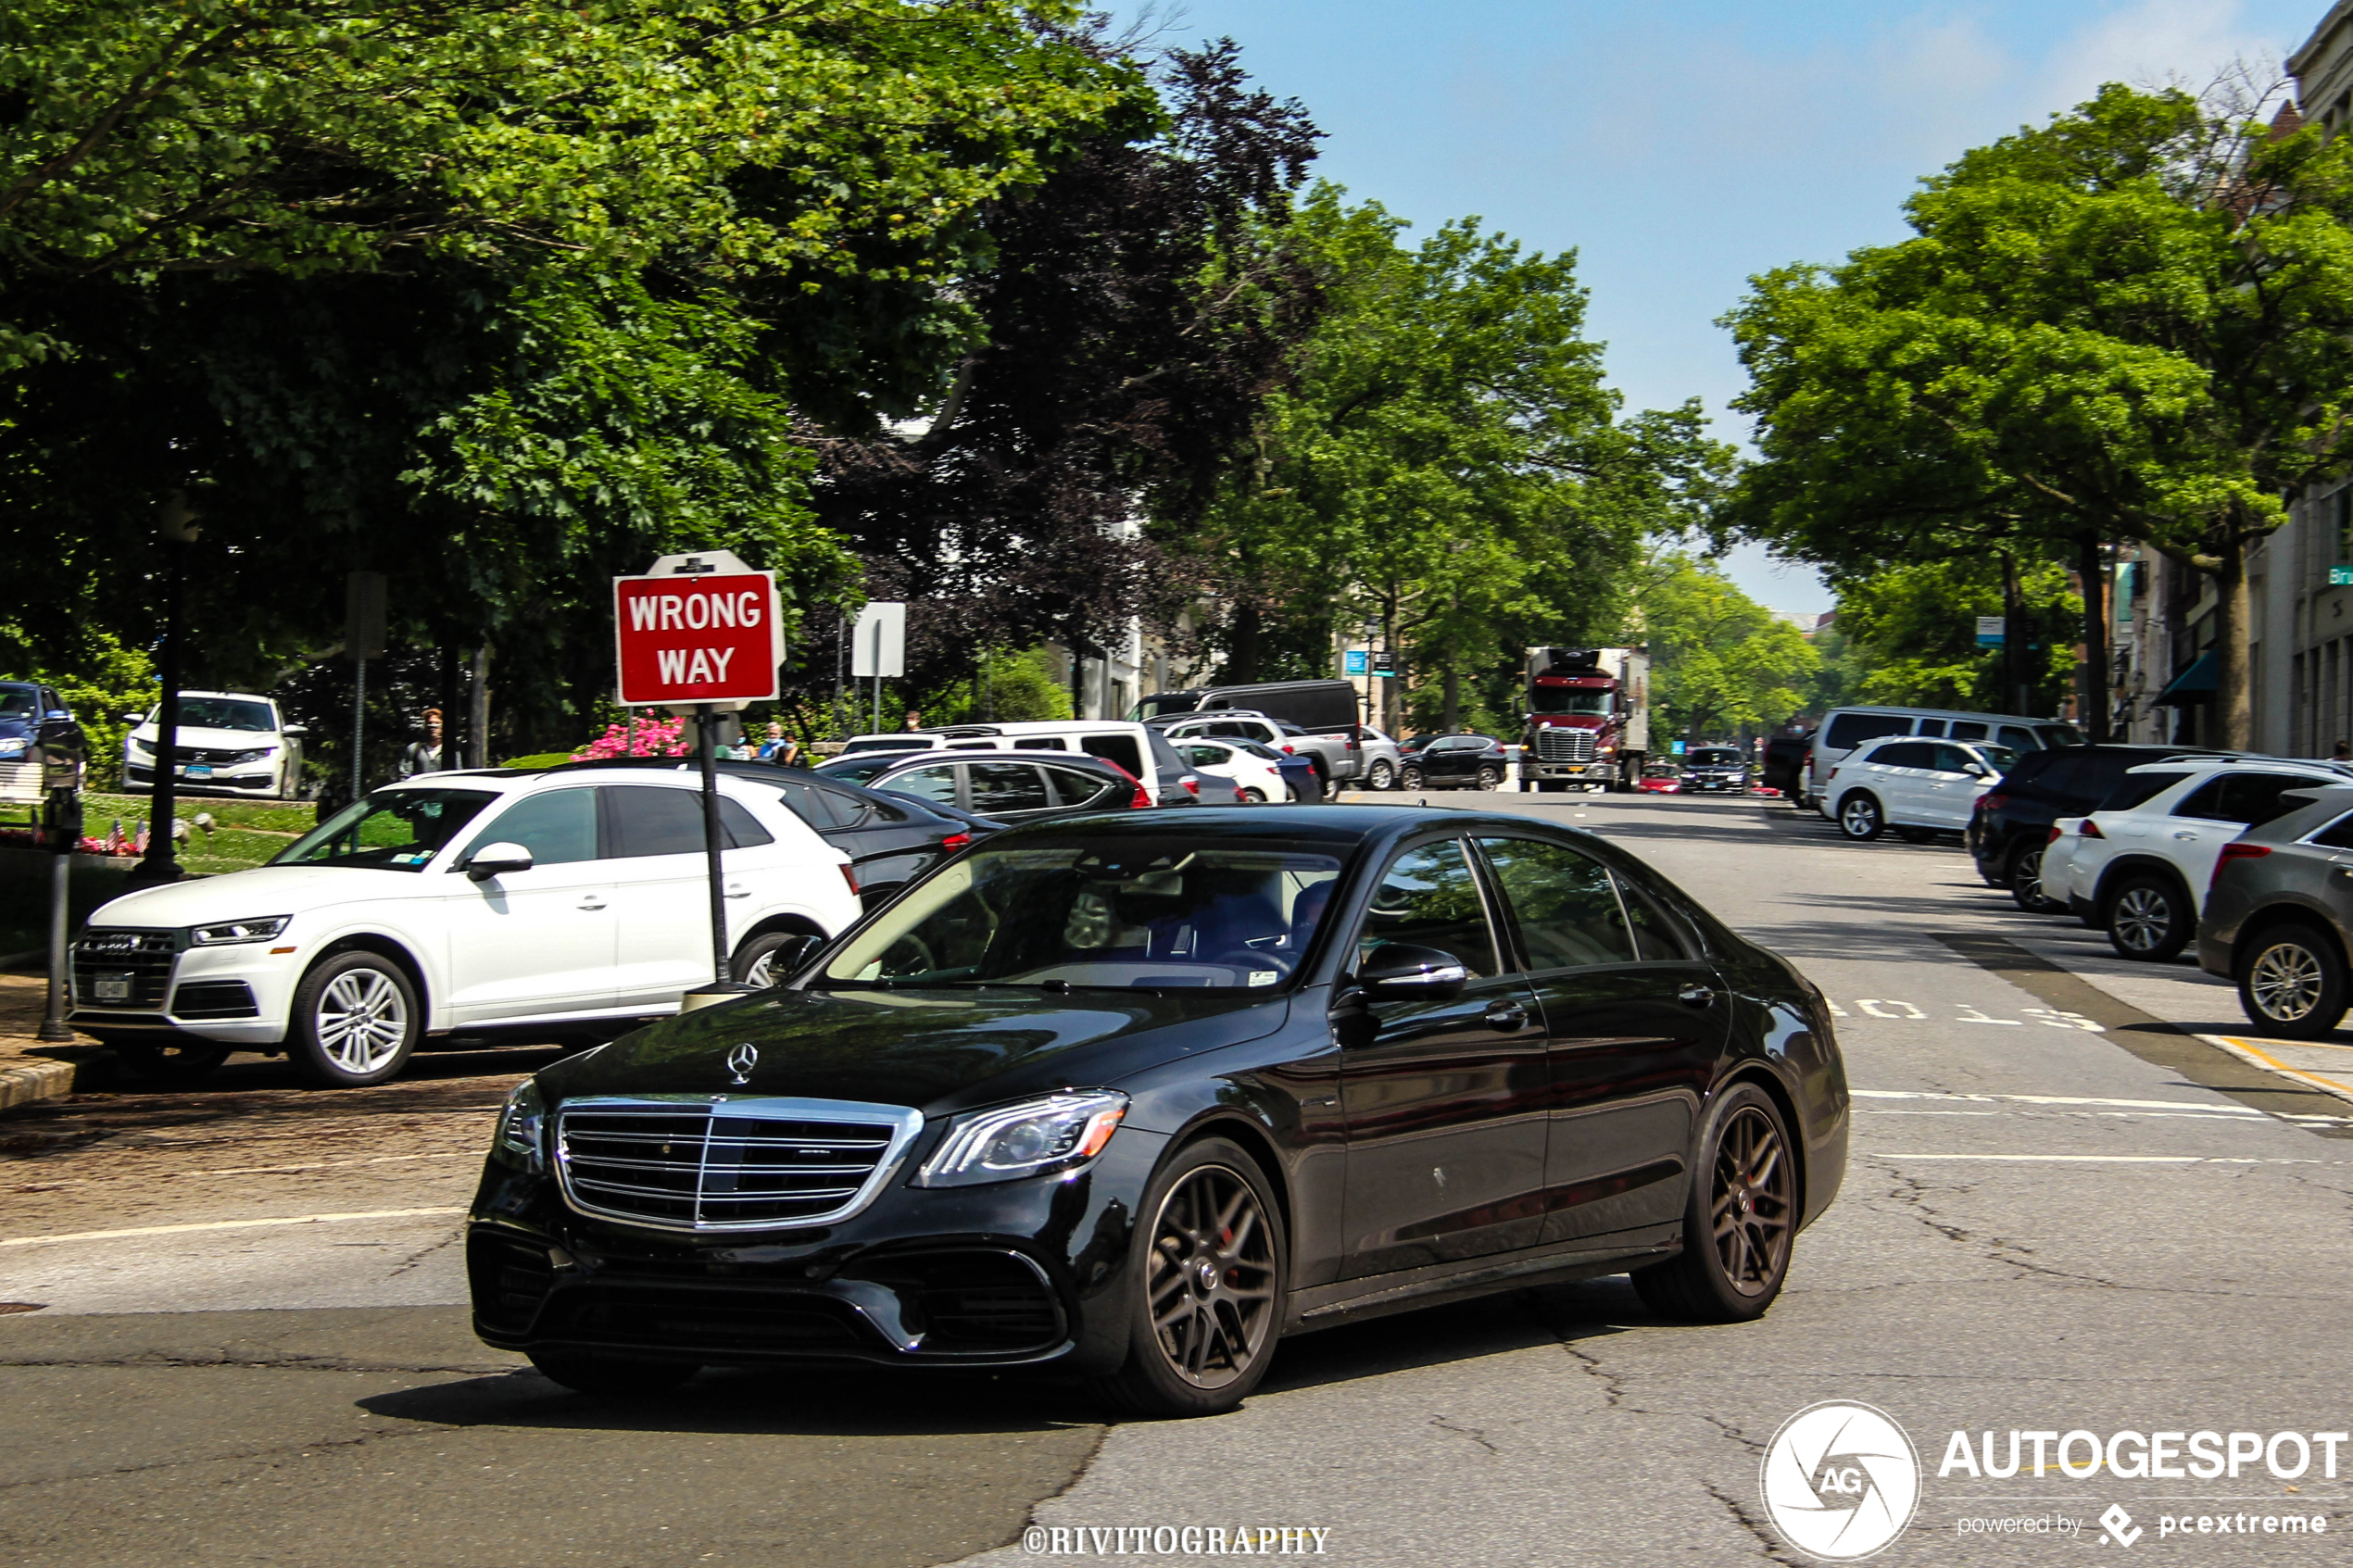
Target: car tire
x=751 y=964
x=2024 y=878
x=2148 y=918
x=1740 y=1221
x=1490 y=777
x=1410 y=779
x=1229 y=1273
x=1859 y=817
x=609 y=1375
x=170 y=1062
x=1255 y=797
x=355 y=1020
x=1381 y=775
x=2291 y=981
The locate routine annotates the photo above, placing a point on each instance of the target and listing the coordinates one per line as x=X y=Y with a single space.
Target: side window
x=1953 y=759
x=1207 y=755
x=2017 y=738
x=737 y=826
x=2253 y=799
x=1121 y=749
x=2138 y=789
x=1566 y=911
x=652 y=821
x=1039 y=743
x=1657 y=935
x=1932 y=727
x=1968 y=729
x=1074 y=788
x=816 y=807
x=1429 y=897
x=2205 y=801
x=2338 y=835
x=558 y=828
x=1851 y=730
x=1007 y=787
x=935 y=783
x=1905 y=754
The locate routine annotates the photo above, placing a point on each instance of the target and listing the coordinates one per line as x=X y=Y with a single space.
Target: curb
x=27 y=1082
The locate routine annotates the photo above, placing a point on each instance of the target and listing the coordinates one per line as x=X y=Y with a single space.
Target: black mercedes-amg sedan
x=1132 y=1096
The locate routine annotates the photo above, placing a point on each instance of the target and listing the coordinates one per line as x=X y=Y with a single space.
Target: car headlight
x=228 y=932
x=142 y=747
x=252 y=755
x=1058 y=1132
x=11 y=745
x=521 y=1128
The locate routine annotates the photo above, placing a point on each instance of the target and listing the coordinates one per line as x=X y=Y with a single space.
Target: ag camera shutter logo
x=1841 y=1480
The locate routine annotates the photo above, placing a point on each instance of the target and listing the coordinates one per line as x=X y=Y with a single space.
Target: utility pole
x=176 y=524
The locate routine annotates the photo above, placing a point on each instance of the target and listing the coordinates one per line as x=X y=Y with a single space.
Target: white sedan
x=460 y=903
x=229 y=743
x=1259 y=780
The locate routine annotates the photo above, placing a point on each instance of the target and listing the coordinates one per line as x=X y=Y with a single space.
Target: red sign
x=688 y=638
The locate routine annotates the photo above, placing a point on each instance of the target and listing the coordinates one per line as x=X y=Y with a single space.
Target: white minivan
x=458 y=903
x=1843 y=728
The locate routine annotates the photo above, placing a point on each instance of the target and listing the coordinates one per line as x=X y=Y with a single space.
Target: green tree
x=2132 y=323
x=1720 y=661
x=1916 y=628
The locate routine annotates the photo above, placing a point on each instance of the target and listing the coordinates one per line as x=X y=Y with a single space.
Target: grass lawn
x=246 y=832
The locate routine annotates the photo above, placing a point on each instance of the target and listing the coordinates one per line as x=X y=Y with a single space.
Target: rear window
x=2338 y=835
x=1851 y=730
x=1121 y=749
x=2135 y=789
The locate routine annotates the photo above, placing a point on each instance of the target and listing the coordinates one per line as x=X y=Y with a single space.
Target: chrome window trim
x=904 y=1121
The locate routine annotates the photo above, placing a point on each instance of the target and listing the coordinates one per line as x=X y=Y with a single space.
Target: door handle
x=1696 y=995
x=2186 y=834
x=592 y=902
x=1506 y=1015
x=737 y=890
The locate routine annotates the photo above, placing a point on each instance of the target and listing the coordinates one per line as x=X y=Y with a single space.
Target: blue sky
x=1681 y=146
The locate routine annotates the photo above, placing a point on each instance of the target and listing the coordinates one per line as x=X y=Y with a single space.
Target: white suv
x=1915 y=786
x=459 y=903
x=2139 y=866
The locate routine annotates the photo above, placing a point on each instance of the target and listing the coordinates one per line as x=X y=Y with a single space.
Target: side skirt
x=1328 y=1306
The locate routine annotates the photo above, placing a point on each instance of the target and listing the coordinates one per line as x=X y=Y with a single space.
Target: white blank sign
x=878 y=647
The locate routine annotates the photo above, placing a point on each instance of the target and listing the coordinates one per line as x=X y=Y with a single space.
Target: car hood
x=940 y=1051
x=265 y=890
x=1571 y=722
x=213 y=740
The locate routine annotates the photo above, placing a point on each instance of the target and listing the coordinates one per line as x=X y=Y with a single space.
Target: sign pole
x=710 y=840
x=878 y=663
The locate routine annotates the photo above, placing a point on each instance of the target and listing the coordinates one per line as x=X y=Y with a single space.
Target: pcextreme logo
x=1841 y=1480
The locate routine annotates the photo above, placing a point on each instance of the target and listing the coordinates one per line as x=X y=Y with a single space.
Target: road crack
x=1768 y=1546
x=1475 y=1433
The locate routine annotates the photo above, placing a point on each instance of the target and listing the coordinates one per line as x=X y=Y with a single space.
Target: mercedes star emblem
x=741 y=1061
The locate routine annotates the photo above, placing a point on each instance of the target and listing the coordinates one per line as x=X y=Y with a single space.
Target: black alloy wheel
x=2291 y=981
x=1411 y=778
x=169 y=1061
x=1739 y=1223
x=2148 y=918
x=2024 y=880
x=1859 y=817
x=587 y=1373
x=1207 y=1281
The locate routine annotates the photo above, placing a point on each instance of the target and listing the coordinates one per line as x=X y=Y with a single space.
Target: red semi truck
x=1588 y=718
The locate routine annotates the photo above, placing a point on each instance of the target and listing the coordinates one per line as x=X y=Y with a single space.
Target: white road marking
x=228 y=1225
x=2105 y=1159
x=2217 y=1108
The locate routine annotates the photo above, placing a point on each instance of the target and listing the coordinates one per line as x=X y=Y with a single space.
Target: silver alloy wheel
x=363 y=1021
x=2285 y=980
x=1858 y=817
x=1383 y=776
x=1255 y=797
x=2144 y=919
x=763 y=971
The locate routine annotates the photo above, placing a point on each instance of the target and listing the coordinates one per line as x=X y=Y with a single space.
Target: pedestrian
x=2343 y=753
x=914 y=721
x=423 y=755
x=773 y=745
x=788 y=755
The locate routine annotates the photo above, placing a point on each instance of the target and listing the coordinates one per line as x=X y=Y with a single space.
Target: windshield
x=223 y=713
x=2056 y=735
x=17 y=702
x=1129 y=914
x=1553 y=699
x=2001 y=757
x=397 y=830
x=1715 y=758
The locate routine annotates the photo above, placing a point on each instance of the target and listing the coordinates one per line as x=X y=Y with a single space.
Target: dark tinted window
x=1968 y=729
x=2338 y=835
x=1007 y=787
x=2135 y=789
x=1953 y=759
x=820 y=808
x=2255 y=797
x=1657 y=935
x=1931 y=727
x=935 y=782
x=1039 y=743
x=1905 y=754
x=1116 y=748
x=558 y=829
x=1429 y=897
x=669 y=822
x=1851 y=730
x=2016 y=737
x=2060 y=735
x=1567 y=910
x=1073 y=787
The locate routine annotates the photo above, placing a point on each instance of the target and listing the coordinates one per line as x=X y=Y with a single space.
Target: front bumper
x=1019 y=1274
x=1599 y=769
x=255 y=778
x=238 y=994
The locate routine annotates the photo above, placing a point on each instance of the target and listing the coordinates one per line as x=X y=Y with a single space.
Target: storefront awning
x=2194 y=685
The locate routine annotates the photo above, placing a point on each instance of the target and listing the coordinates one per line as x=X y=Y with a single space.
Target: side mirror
x=494 y=859
x=134 y=718
x=296 y=730
x=1978 y=770
x=1398 y=972
x=58 y=715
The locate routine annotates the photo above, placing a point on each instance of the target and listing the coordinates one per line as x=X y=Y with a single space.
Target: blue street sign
x=1355 y=662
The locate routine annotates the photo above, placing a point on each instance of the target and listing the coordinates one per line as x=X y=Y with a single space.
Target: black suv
x=2012 y=821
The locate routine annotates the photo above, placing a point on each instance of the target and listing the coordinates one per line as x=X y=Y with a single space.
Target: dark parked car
x=2279 y=916
x=890 y=839
x=1451 y=762
x=1006 y=786
x=43 y=754
x=1784 y=767
x=2011 y=823
x=1715 y=770
x=1132 y=1096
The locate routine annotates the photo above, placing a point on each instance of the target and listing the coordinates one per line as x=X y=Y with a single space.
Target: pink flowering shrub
x=655 y=737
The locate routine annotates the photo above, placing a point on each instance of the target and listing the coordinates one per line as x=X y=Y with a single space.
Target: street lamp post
x=175 y=524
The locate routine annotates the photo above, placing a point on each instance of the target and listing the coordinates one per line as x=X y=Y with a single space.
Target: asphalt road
x=2065 y=1212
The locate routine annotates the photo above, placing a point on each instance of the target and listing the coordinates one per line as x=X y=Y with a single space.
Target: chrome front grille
x=20 y=782
x=1555 y=744
x=715 y=1163
x=124 y=969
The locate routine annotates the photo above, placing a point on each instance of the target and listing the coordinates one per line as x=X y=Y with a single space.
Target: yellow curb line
x=2269 y=1064
x=229 y=1225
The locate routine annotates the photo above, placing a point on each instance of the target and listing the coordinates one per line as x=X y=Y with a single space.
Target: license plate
x=113 y=987
x=196 y=770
